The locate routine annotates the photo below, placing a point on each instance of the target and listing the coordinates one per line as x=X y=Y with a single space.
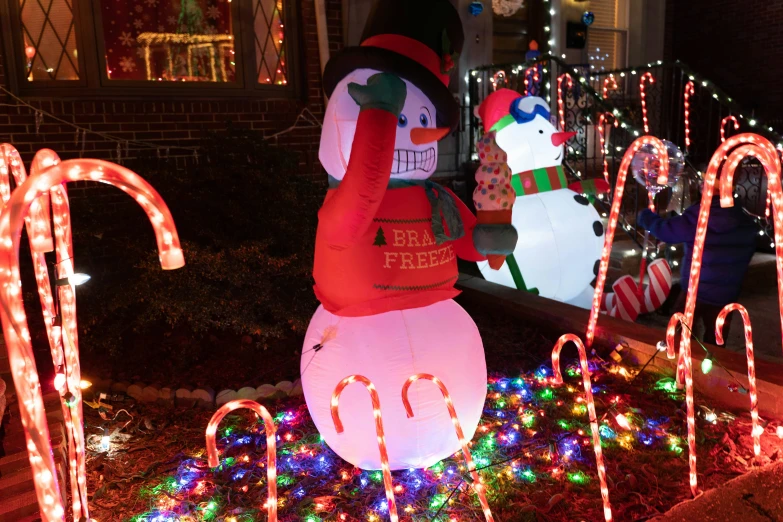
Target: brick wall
x=737 y=44
x=181 y=123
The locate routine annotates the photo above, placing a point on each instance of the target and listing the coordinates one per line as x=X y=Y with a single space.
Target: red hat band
x=412 y=49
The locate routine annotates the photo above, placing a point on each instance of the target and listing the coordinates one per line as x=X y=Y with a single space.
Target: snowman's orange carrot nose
x=420 y=135
x=559 y=138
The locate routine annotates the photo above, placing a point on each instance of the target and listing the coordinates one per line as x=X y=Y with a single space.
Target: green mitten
x=383 y=91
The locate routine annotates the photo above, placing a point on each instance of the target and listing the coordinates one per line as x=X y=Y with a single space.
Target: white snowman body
x=440 y=339
x=561 y=235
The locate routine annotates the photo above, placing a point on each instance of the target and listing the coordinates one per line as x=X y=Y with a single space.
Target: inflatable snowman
x=560 y=233
x=387 y=244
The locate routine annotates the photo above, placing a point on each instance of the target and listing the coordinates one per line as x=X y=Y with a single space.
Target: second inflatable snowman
x=387 y=246
x=560 y=233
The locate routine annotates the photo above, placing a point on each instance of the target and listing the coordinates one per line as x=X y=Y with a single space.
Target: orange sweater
x=375 y=250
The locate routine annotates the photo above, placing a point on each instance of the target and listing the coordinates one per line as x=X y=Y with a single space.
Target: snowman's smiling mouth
x=409 y=160
x=559 y=156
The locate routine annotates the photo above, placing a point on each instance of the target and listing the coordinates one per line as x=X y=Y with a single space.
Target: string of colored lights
x=756 y=429
x=558 y=380
x=560 y=101
x=271 y=448
x=646 y=77
x=531 y=77
x=660 y=150
x=14 y=320
x=603 y=139
x=376 y=410
x=689 y=91
x=723 y=122
x=478 y=485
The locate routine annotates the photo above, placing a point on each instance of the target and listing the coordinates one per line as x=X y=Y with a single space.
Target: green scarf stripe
x=561 y=176
x=541 y=177
x=545 y=179
x=516 y=275
x=516 y=184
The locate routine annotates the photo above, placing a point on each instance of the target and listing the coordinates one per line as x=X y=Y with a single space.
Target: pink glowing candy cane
x=14 y=320
x=723 y=122
x=689 y=91
x=754 y=397
x=649 y=78
x=603 y=137
x=376 y=410
x=531 y=76
x=496 y=79
x=560 y=101
x=738 y=148
x=477 y=484
x=271 y=447
x=614 y=216
x=609 y=83
x=599 y=456
x=671 y=331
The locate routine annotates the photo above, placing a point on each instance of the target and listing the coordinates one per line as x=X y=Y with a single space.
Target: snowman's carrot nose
x=420 y=135
x=559 y=138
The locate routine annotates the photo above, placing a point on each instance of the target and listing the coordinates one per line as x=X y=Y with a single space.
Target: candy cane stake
x=271 y=447
x=599 y=456
x=531 y=76
x=689 y=91
x=24 y=371
x=646 y=77
x=376 y=410
x=603 y=137
x=560 y=101
x=754 y=397
x=609 y=83
x=723 y=122
x=614 y=216
x=477 y=484
x=741 y=146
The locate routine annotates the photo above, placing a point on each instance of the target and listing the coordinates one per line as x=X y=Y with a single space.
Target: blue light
x=646 y=439
x=363 y=481
x=383 y=506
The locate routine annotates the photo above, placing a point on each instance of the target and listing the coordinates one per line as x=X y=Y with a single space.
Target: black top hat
x=418 y=40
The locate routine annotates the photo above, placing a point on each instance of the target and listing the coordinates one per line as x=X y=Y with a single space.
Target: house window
x=607 y=39
x=116 y=45
x=48 y=40
x=169 y=41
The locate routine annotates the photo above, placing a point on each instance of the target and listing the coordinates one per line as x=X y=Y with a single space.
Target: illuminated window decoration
x=735 y=150
x=689 y=92
x=24 y=371
x=269 y=22
x=723 y=122
x=646 y=77
x=49 y=40
x=271 y=449
x=376 y=411
x=184 y=41
x=558 y=379
x=659 y=148
x=478 y=485
x=560 y=101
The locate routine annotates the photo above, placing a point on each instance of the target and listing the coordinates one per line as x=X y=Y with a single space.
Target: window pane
x=49 y=36
x=168 y=40
x=269 y=24
x=606 y=49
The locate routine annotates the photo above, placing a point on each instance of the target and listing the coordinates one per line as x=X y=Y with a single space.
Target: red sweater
x=375 y=250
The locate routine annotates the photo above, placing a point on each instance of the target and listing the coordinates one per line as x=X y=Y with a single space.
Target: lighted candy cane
x=531 y=75
x=599 y=456
x=614 y=216
x=496 y=79
x=741 y=146
x=14 y=320
x=560 y=101
x=689 y=91
x=723 y=122
x=604 y=138
x=671 y=330
x=754 y=397
x=38 y=225
x=649 y=78
x=609 y=83
x=376 y=410
x=271 y=447
x=477 y=484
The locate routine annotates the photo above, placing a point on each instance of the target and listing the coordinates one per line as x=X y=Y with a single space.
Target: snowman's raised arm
x=349 y=209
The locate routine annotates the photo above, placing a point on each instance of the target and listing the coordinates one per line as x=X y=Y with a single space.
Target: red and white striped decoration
x=626 y=303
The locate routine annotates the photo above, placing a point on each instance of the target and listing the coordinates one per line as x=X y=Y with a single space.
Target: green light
x=547 y=394
x=564 y=424
x=529 y=475
x=528 y=419
x=284 y=480
x=676 y=449
x=580 y=409
x=518 y=382
x=437 y=501
x=667 y=385
x=377 y=476
x=227 y=432
x=578 y=478
x=489 y=442
x=706 y=365
x=312 y=518
x=501 y=403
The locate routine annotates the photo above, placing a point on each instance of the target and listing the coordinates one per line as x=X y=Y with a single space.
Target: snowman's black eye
x=424 y=120
x=403 y=121
x=541 y=132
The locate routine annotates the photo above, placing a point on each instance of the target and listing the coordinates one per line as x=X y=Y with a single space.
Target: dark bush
x=247 y=221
